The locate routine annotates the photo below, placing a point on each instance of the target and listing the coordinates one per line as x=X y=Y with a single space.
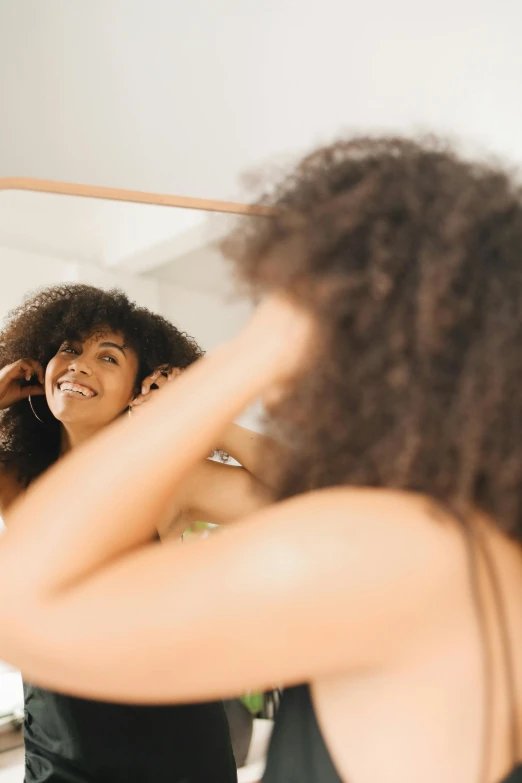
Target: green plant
x=253 y=702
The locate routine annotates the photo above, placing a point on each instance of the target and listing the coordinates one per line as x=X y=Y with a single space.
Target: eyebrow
x=114 y=345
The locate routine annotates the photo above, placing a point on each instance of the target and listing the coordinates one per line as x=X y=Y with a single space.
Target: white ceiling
x=199 y=271
x=181 y=97
x=96 y=231
x=175 y=245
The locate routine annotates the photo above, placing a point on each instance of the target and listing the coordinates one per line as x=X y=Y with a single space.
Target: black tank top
x=71 y=740
x=298 y=752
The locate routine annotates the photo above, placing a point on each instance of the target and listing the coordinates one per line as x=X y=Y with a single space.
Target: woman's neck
x=71 y=438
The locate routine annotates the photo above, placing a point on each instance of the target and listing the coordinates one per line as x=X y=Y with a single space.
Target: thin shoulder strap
x=473 y=553
x=507 y=647
x=477 y=550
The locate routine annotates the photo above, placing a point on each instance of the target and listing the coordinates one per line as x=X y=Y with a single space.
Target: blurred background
x=185 y=98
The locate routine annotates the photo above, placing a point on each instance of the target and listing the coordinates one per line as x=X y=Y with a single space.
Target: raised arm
x=96 y=610
x=216 y=493
x=250 y=450
x=213 y=491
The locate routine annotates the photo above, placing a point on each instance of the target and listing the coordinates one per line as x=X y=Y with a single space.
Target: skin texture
x=106 y=368
x=35 y=331
x=387 y=345
x=93 y=587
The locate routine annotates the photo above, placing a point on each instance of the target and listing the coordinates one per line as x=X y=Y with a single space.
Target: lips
x=74 y=389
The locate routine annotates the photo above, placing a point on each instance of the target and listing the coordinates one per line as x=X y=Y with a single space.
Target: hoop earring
x=129 y=412
x=33 y=410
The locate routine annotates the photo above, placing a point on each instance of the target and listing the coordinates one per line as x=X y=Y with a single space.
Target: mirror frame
x=136 y=196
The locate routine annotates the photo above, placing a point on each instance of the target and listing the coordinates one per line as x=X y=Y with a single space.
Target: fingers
x=24 y=369
x=31 y=368
x=32 y=391
x=18 y=369
x=41 y=374
x=140 y=399
x=158 y=378
x=155 y=379
x=147 y=383
x=137 y=408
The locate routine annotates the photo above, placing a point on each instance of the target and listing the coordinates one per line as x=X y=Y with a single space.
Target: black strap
x=507 y=647
x=487 y=662
x=477 y=549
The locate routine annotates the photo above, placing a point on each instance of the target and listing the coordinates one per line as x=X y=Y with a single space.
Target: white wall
x=180 y=97
x=22 y=272
x=143 y=290
x=211 y=319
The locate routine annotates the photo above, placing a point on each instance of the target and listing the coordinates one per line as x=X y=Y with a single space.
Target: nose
x=80 y=365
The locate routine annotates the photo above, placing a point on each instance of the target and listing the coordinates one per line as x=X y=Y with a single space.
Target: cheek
x=51 y=371
x=117 y=392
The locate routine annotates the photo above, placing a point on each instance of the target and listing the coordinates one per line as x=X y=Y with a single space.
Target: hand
x=158 y=378
x=280 y=336
x=11 y=378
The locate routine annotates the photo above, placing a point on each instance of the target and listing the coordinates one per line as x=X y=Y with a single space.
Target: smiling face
x=90 y=383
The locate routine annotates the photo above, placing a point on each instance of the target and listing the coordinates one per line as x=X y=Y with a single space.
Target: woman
x=93 y=356
x=386 y=585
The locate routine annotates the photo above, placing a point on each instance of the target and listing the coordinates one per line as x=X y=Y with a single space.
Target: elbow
x=28 y=643
x=14 y=641
x=23 y=627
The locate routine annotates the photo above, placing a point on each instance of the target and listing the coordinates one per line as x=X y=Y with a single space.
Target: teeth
x=76 y=388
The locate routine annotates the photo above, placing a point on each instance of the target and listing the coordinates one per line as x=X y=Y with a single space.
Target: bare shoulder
x=369 y=516
x=361 y=575
x=337 y=580
x=368 y=544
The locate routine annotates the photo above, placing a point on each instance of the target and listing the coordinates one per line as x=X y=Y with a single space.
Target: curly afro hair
x=38 y=328
x=410 y=257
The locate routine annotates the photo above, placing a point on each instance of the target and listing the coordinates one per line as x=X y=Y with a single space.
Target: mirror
x=160 y=250
x=162 y=254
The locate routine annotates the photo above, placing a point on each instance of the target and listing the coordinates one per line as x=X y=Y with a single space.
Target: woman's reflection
x=74 y=358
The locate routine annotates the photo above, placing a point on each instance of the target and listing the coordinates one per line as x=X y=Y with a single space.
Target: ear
x=135 y=393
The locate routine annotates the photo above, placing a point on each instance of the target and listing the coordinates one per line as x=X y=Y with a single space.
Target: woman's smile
x=69 y=387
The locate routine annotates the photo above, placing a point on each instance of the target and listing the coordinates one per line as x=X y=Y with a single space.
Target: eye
x=68 y=349
x=109 y=359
